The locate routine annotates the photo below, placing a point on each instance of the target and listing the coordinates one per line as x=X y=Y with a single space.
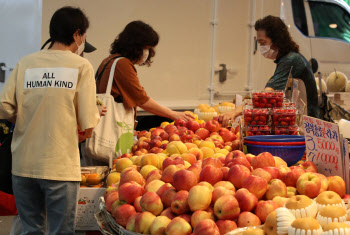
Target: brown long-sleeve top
x=125 y=78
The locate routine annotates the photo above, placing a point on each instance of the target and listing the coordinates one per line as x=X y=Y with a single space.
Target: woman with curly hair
x=135 y=44
x=277 y=44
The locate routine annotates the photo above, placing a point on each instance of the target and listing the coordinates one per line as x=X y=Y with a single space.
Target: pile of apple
x=199 y=186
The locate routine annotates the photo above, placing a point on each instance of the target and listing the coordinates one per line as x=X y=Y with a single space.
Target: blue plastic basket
x=290 y=154
x=276 y=138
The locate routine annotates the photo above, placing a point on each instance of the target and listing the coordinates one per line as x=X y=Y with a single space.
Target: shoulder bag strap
x=111 y=75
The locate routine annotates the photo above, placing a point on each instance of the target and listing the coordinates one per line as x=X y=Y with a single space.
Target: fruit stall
x=198 y=177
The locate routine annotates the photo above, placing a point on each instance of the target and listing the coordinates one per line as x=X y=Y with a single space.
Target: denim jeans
x=58 y=198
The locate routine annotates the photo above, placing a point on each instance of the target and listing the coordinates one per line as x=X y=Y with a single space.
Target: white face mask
x=268 y=53
x=80 y=48
x=144 y=57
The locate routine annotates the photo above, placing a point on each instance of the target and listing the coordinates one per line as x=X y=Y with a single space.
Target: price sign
x=346 y=166
x=323 y=146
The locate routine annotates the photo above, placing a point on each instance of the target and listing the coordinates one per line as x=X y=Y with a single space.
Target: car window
x=330 y=21
x=299 y=16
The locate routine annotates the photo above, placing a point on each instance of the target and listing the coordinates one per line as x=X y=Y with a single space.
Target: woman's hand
x=182 y=115
x=102 y=110
x=225 y=118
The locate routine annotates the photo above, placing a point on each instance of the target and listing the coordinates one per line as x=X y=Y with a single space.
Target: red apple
x=276 y=188
x=273 y=171
x=239 y=161
x=164 y=188
x=202 y=133
x=179 y=204
x=151 y=202
x=137 y=204
x=262 y=174
x=221 y=191
x=170 y=129
x=225 y=171
x=248 y=219
x=263 y=160
x=129 y=191
x=168 y=197
x=226 y=207
x=111 y=199
x=212 y=161
x=264 y=208
x=237 y=174
x=255 y=185
x=309 y=184
x=184 y=180
x=309 y=166
x=169 y=171
x=192 y=125
x=168 y=213
x=172 y=161
x=210 y=174
x=247 y=201
x=178 y=226
x=233 y=154
x=180 y=123
x=174 y=137
x=131 y=175
x=226 y=226
x=292 y=176
x=200 y=215
x=236 y=144
x=212 y=126
x=123 y=213
x=324 y=182
x=206 y=227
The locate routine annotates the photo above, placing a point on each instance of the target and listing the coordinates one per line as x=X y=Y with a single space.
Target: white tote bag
x=114 y=134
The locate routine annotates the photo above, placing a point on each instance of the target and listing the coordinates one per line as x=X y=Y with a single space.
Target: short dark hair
x=277 y=31
x=65 y=22
x=133 y=39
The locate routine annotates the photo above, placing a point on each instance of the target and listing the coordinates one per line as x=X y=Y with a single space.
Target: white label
x=51 y=77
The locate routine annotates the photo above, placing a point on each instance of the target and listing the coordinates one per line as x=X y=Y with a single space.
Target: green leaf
x=120 y=124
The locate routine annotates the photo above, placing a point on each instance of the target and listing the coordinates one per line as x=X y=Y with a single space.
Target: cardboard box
x=87 y=206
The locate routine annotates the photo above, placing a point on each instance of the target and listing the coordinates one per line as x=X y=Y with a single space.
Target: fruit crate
x=286 y=130
x=258 y=130
x=256 y=117
x=267 y=99
x=284 y=116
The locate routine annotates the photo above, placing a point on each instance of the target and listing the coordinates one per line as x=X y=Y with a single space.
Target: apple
x=113 y=178
x=280 y=200
x=226 y=207
x=196 y=152
x=172 y=161
x=279 y=162
x=212 y=161
x=196 y=170
x=178 y=226
x=293 y=176
x=309 y=184
x=137 y=204
x=212 y=126
x=154 y=185
x=207 y=152
x=274 y=172
x=206 y=184
x=202 y=133
x=227 y=136
x=180 y=123
x=262 y=174
x=109 y=191
x=206 y=227
x=151 y=202
x=199 y=198
x=225 y=184
x=153 y=175
x=219 y=192
x=226 y=226
x=336 y=184
x=247 y=201
x=189 y=157
x=143 y=222
x=283 y=171
x=157 y=131
x=239 y=161
x=184 y=180
x=141 y=134
x=147 y=169
x=200 y=215
x=264 y=208
x=255 y=185
x=179 y=204
x=207 y=143
x=169 y=171
x=237 y=174
x=164 y=188
x=129 y=191
x=159 y=225
x=130 y=224
x=309 y=166
x=186 y=217
x=210 y=174
x=176 y=147
x=123 y=213
x=156 y=149
x=233 y=154
x=168 y=197
x=155 y=143
x=324 y=182
x=249 y=157
x=291 y=191
x=174 y=137
x=225 y=171
x=168 y=213
x=276 y=188
x=263 y=160
x=114 y=196
x=248 y=219
x=192 y=125
x=170 y=128
x=131 y=175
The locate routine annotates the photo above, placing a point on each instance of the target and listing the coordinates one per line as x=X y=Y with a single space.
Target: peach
x=176 y=147
x=196 y=152
x=336 y=184
x=189 y=157
x=207 y=152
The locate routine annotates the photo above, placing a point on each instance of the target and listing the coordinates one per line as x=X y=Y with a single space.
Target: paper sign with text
x=323 y=146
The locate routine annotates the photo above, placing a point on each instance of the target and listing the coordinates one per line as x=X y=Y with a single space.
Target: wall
x=180 y=74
